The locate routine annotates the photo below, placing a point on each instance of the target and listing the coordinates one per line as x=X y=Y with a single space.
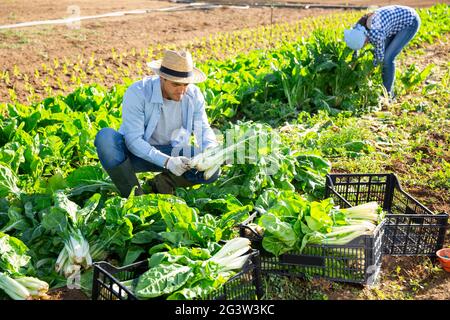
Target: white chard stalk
x=209 y=159
x=71 y=269
x=63 y=258
x=236 y=263
x=36 y=287
x=74 y=255
x=215 y=157
x=32 y=283
x=367 y=210
x=210 y=172
x=230 y=256
x=14 y=289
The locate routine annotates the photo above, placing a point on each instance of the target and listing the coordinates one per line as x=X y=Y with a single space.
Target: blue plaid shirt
x=386 y=22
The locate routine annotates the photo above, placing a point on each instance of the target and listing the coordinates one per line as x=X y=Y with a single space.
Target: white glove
x=178 y=165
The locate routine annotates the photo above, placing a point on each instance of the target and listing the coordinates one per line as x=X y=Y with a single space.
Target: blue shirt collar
x=157 y=92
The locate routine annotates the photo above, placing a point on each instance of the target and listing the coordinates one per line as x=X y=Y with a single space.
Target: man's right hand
x=178 y=165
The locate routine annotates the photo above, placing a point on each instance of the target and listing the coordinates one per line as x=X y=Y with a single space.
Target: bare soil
x=17 y=11
x=65 y=293
x=29 y=47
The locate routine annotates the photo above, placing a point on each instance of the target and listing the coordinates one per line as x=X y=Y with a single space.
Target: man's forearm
x=144 y=150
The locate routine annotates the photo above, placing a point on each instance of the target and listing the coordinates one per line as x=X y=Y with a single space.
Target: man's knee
x=104 y=137
x=109 y=150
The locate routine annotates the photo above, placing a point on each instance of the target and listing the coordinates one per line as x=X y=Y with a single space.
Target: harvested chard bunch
x=74 y=256
x=367 y=211
x=341 y=235
x=231 y=255
x=290 y=222
x=189 y=273
x=23 y=288
x=354 y=222
x=211 y=160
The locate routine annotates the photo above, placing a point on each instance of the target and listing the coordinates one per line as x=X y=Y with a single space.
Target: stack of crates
x=408 y=229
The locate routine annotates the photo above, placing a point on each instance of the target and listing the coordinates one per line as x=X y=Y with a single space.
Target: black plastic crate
x=358 y=261
x=245 y=285
x=411 y=228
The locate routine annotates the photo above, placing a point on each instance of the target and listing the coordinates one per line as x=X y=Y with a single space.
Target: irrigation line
x=299 y=5
x=185 y=7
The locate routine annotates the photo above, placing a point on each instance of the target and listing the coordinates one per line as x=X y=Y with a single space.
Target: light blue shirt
x=141 y=110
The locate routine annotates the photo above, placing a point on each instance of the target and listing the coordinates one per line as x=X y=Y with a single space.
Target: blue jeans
x=393 y=46
x=112 y=151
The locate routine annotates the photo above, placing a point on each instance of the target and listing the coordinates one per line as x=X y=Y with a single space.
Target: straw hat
x=177 y=66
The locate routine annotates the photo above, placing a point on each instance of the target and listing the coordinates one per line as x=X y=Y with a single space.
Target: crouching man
x=159 y=116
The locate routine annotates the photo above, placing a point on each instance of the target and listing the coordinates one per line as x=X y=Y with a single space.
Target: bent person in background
x=388 y=29
x=159 y=116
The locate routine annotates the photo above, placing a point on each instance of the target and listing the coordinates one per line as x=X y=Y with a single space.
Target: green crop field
x=298 y=82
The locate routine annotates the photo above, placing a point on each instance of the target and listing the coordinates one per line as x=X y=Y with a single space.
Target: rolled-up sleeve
x=203 y=132
x=133 y=129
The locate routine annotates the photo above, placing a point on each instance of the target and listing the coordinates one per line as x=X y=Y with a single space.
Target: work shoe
x=148 y=187
x=166 y=183
x=125 y=179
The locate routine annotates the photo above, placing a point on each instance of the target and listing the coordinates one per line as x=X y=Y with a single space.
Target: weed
x=287 y=288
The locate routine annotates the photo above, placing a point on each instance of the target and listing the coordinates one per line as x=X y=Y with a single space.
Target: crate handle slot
x=302 y=260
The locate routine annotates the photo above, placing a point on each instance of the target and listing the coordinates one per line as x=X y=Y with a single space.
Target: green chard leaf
x=162 y=279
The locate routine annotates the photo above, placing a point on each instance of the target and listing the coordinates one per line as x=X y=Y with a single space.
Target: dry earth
x=29 y=47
